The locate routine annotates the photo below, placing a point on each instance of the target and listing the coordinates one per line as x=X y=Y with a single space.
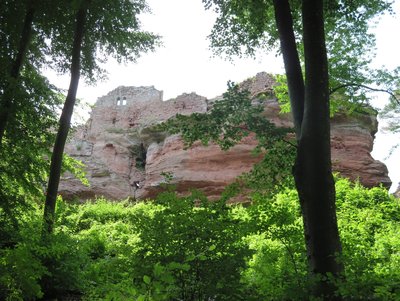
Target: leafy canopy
x=112 y=30
x=243 y=27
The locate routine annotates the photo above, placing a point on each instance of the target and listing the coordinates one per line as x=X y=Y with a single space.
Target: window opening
x=124 y=101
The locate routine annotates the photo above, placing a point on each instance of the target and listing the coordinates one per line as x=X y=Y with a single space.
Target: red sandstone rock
x=121 y=150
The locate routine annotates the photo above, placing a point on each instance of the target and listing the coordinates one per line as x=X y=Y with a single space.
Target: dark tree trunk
x=6 y=106
x=313 y=170
x=284 y=23
x=64 y=124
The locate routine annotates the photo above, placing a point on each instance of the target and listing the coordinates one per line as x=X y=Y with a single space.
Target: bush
x=369 y=223
x=183 y=248
x=187 y=248
x=369 y=226
x=278 y=269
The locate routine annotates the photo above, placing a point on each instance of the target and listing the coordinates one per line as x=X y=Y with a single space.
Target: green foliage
x=76 y=167
x=269 y=176
x=351 y=47
x=282 y=93
x=187 y=248
x=368 y=222
x=343 y=99
x=231 y=118
x=112 y=30
x=169 y=249
x=391 y=112
x=32 y=268
x=278 y=269
x=20 y=272
x=204 y=241
x=24 y=150
x=242 y=27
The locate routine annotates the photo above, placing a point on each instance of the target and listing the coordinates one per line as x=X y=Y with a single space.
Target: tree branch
x=290 y=143
x=365 y=87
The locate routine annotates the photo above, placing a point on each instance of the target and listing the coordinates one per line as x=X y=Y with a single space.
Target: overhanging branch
x=365 y=87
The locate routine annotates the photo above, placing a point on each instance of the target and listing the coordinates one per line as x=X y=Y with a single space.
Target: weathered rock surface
x=124 y=157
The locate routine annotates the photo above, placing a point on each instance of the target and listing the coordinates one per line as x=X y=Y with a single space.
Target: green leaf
x=141 y=298
x=146 y=279
x=190 y=258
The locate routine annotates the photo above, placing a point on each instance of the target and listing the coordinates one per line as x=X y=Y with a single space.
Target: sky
x=185 y=64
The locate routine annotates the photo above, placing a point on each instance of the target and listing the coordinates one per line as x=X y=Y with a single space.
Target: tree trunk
x=6 y=106
x=284 y=23
x=313 y=170
x=64 y=124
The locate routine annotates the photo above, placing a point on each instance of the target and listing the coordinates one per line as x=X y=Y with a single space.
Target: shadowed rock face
x=124 y=157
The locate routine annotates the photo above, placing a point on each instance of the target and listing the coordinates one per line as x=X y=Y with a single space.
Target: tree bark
x=284 y=24
x=6 y=105
x=64 y=124
x=313 y=170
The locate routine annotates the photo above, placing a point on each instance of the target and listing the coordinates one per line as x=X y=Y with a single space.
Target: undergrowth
x=187 y=248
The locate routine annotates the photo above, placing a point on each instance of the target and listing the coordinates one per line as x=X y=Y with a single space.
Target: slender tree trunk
x=313 y=170
x=6 y=106
x=284 y=23
x=64 y=124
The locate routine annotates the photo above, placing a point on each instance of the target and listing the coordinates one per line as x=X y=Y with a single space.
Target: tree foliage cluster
x=67 y=36
x=187 y=248
x=230 y=119
x=245 y=27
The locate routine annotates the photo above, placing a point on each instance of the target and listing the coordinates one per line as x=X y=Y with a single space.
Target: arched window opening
x=124 y=101
x=118 y=101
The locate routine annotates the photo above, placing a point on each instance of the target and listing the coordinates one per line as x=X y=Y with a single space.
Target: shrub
x=187 y=248
x=369 y=226
x=278 y=269
x=176 y=247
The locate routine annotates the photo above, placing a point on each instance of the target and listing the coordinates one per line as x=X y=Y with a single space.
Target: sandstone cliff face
x=124 y=157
